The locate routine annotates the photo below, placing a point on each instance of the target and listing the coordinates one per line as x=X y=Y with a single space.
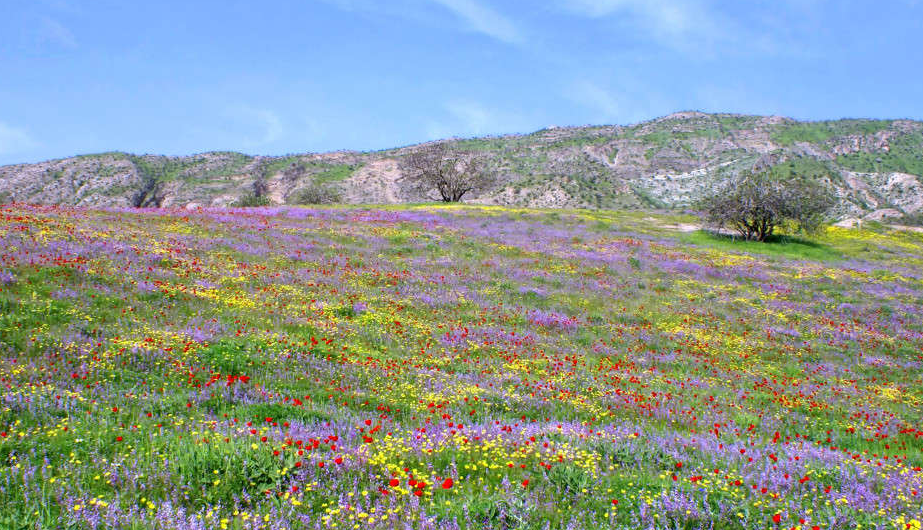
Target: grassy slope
x=548 y=362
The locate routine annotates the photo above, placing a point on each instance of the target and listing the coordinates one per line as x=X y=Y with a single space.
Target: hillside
x=875 y=165
x=453 y=368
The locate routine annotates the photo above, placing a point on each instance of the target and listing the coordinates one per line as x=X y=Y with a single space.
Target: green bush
x=316 y=194
x=251 y=200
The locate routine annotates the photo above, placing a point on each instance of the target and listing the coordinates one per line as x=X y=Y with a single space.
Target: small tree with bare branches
x=259 y=190
x=151 y=176
x=755 y=203
x=450 y=173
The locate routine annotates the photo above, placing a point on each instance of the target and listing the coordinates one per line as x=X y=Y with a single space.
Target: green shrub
x=316 y=194
x=251 y=200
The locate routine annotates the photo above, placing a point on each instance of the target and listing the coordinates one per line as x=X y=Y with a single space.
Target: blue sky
x=284 y=76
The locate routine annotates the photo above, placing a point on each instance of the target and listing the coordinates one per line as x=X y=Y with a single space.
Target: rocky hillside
x=876 y=167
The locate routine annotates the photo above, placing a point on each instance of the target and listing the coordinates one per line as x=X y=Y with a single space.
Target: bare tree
x=755 y=203
x=450 y=173
x=261 y=184
x=259 y=189
x=150 y=188
x=295 y=171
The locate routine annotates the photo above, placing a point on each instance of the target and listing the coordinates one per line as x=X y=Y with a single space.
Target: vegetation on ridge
x=875 y=168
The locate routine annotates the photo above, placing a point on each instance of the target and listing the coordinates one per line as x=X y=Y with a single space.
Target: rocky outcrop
x=875 y=166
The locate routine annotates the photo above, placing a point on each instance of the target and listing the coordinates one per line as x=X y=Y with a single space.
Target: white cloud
x=352 y=5
x=482 y=18
x=470 y=118
x=238 y=126
x=51 y=31
x=473 y=117
x=263 y=126
x=632 y=101
x=475 y=15
x=665 y=16
x=705 y=29
x=689 y=25
x=600 y=100
x=14 y=140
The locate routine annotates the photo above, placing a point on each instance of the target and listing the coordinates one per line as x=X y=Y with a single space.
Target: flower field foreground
x=453 y=367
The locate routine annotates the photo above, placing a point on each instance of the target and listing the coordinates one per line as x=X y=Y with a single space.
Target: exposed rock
x=667 y=163
x=883 y=214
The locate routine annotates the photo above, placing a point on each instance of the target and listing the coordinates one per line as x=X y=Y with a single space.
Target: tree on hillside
x=261 y=183
x=756 y=203
x=259 y=190
x=260 y=187
x=295 y=171
x=149 y=192
x=450 y=173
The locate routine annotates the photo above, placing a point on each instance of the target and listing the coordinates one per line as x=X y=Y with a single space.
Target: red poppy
x=447 y=483
x=394 y=483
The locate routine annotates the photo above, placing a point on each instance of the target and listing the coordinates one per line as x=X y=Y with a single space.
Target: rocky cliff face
x=874 y=165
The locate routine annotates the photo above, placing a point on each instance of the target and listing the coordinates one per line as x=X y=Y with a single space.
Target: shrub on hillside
x=316 y=194
x=915 y=219
x=251 y=200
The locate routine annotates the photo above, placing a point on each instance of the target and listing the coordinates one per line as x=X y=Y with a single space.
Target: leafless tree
x=261 y=184
x=295 y=171
x=149 y=192
x=755 y=203
x=260 y=187
x=451 y=173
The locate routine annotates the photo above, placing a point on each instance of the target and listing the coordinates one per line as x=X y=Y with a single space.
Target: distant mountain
x=875 y=166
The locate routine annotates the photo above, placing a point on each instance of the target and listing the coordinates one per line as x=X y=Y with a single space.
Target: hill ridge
x=876 y=167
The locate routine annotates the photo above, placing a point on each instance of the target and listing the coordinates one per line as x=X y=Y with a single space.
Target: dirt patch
x=377 y=182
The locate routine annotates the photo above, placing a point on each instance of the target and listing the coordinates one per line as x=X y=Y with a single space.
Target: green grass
x=807 y=168
x=336 y=173
x=278 y=164
x=784 y=246
x=905 y=156
x=821 y=131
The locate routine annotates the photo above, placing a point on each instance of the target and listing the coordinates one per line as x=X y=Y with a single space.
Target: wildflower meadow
x=453 y=367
